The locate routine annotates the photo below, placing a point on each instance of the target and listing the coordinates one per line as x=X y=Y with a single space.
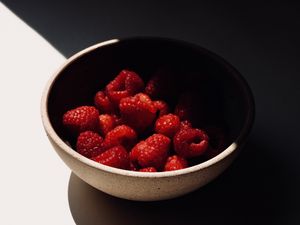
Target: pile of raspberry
x=130 y=127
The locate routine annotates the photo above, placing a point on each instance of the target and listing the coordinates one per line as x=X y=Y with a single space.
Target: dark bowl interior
x=221 y=96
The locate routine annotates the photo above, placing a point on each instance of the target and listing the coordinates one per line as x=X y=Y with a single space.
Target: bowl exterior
x=143 y=188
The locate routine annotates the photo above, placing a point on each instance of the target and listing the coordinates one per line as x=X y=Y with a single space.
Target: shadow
x=249 y=192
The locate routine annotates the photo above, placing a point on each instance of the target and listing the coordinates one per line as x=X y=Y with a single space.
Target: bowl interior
x=220 y=95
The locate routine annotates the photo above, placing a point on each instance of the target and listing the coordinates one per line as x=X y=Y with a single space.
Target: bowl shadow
x=249 y=192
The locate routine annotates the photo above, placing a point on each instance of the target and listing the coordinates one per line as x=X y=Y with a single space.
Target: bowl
x=208 y=76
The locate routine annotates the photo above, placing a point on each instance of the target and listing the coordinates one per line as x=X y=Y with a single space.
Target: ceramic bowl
x=226 y=93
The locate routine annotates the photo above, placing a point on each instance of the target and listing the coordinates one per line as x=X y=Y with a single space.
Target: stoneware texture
x=226 y=94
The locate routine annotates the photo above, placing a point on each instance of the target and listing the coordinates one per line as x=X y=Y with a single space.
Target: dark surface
x=262 y=41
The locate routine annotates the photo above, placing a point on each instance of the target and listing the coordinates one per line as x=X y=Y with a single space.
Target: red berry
x=126 y=84
x=118 y=120
x=133 y=166
x=190 y=142
x=185 y=124
x=120 y=135
x=167 y=125
x=138 y=111
x=116 y=156
x=183 y=108
x=135 y=151
x=89 y=144
x=148 y=169
x=175 y=163
x=159 y=85
x=81 y=119
x=152 y=152
x=162 y=107
x=153 y=87
x=106 y=123
x=103 y=103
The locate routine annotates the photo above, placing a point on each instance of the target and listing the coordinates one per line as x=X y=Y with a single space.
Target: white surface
x=34 y=181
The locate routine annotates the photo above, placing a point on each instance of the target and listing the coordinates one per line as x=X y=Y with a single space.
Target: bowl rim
x=225 y=153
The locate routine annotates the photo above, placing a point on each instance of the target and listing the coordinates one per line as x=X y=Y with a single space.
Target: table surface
x=261 y=40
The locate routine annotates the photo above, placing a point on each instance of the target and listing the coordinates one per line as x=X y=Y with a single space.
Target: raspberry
x=115 y=157
x=152 y=152
x=133 y=166
x=120 y=135
x=81 y=119
x=135 y=151
x=103 y=103
x=162 y=107
x=190 y=142
x=89 y=144
x=118 y=120
x=175 y=163
x=126 y=84
x=138 y=111
x=148 y=169
x=153 y=87
x=159 y=85
x=167 y=125
x=106 y=123
x=183 y=108
x=185 y=124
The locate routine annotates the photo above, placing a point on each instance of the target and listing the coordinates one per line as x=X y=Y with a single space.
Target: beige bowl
x=75 y=83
